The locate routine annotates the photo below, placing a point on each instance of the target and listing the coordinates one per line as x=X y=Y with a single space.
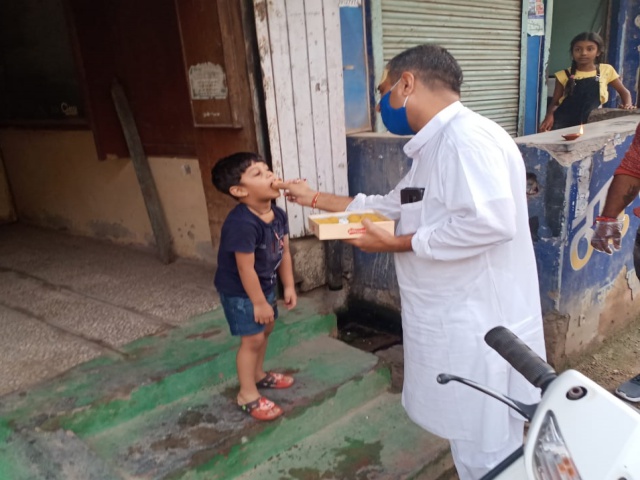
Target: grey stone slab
x=80 y=315
x=31 y=351
x=58 y=455
x=125 y=276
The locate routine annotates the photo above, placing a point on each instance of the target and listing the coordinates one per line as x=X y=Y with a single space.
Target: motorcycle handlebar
x=538 y=372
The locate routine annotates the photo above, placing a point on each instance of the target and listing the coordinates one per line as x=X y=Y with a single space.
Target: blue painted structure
x=577 y=283
x=568 y=184
x=355 y=69
x=624 y=41
x=535 y=75
x=376 y=163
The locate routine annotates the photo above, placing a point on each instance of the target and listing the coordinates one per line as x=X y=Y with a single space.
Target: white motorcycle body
x=600 y=431
x=578 y=431
x=601 y=434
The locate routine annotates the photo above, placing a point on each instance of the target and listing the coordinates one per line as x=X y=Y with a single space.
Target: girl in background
x=584 y=87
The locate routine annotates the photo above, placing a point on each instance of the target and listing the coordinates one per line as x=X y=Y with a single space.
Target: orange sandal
x=275 y=380
x=262 y=409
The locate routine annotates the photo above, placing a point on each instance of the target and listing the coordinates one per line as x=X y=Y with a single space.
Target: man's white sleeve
x=480 y=208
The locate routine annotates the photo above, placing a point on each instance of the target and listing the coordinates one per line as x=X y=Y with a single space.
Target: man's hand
x=607 y=235
x=297 y=191
x=376 y=239
x=263 y=313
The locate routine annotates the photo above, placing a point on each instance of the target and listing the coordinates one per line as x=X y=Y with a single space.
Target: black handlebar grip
x=538 y=372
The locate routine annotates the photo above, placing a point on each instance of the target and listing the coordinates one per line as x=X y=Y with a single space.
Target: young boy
x=254 y=245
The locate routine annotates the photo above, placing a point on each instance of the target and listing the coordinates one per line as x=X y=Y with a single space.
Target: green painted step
x=204 y=436
x=156 y=370
x=376 y=440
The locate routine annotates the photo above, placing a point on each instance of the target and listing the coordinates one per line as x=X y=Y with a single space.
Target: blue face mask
x=395 y=119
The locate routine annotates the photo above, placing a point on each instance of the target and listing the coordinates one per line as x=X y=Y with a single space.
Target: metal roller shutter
x=483 y=36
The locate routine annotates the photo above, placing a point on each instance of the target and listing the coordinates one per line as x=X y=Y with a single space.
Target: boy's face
x=255 y=183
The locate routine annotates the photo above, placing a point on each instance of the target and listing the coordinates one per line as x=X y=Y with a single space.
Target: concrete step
x=376 y=440
x=155 y=370
x=203 y=435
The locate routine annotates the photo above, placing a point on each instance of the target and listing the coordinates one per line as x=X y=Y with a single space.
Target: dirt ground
x=615 y=361
x=609 y=364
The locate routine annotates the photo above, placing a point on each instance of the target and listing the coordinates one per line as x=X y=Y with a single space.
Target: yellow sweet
x=372 y=216
x=354 y=218
x=327 y=220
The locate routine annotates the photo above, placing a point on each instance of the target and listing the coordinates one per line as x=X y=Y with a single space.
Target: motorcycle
x=578 y=431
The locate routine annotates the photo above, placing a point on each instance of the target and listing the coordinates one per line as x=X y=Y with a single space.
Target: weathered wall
x=58 y=182
x=623 y=44
x=376 y=164
x=585 y=294
x=7 y=212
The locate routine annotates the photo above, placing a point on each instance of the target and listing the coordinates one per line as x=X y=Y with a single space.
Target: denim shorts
x=239 y=314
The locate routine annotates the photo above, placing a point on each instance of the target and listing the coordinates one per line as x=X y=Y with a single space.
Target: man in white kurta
x=464 y=260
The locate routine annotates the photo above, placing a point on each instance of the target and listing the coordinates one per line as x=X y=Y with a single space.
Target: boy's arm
x=285 y=270
x=263 y=312
x=625 y=95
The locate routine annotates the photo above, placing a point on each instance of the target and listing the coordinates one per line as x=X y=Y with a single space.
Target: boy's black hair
x=227 y=172
x=582 y=37
x=432 y=64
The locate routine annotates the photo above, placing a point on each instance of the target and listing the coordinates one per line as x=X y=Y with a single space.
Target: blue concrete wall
x=376 y=163
x=561 y=216
x=624 y=41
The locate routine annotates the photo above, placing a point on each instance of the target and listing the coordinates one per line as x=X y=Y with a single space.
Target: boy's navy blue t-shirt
x=244 y=232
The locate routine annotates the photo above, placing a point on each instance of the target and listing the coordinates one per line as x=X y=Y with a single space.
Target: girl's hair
x=582 y=37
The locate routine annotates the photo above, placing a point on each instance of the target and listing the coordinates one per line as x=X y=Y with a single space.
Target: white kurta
x=472 y=268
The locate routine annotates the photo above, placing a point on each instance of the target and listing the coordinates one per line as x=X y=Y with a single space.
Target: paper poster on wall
x=207 y=81
x=535 y=18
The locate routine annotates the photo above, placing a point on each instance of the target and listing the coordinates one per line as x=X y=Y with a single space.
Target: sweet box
x=344 y=225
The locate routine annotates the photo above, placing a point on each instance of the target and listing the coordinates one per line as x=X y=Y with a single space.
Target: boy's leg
x=270 y=379
x=247 y=359
x=259 y=371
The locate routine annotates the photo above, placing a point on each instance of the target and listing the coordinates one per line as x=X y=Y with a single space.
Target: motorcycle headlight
x=551 y=457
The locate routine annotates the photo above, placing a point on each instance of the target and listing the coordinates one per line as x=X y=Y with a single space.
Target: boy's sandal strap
x=262 y=409
x=275 y=380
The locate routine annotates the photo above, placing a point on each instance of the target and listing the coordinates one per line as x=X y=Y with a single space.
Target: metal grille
x=484 y=38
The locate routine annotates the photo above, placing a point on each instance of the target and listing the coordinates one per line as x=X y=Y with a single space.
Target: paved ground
x=66 y=299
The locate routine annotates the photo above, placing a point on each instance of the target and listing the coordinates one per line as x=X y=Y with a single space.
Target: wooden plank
x=336 y=96
x=300 y=54
x=253 y=74
x=281 y=64
x=209 y=71
x=143 y=172
x=268 y=86
x=319 y=94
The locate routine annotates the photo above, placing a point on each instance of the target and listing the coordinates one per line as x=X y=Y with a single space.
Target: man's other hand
x=375 y=239
x=607 y=235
